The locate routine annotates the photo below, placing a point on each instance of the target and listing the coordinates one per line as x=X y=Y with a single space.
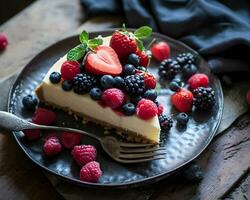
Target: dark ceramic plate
x=182 y=144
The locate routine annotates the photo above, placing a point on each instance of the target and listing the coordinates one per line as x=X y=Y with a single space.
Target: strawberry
x=182 y=100
x=198 y=80
x=123 y=44
x=161 y=51
x=103 y=61
x=144 y=58
x=150 y=81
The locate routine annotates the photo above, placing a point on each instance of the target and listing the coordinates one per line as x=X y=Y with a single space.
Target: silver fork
x=122 y=152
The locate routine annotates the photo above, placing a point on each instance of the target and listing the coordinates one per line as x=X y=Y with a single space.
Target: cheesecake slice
x=133 y=127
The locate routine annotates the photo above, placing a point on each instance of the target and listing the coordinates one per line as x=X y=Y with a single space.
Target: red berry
x=113 y=97
x=70 y=139
x=198 y=80
x=150 y=81
x=70 y=69
x=83 y=154
x=3 y=41
x=161 y=51
x=91 y=172
x=123 y=44
x=144 y=58
x=103 y=61
x=248 y=97
x=43 y=116
x=160 y=109
x=52 y=146
x=32 y=134
x=146 y=109
x=182 y=100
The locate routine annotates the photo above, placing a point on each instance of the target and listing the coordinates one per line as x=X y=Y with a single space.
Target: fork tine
x=141 y=155
x=140 y=160
x=135 y=145
x=129 y=150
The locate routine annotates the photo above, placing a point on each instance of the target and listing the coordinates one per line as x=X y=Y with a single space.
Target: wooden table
x=225 y=163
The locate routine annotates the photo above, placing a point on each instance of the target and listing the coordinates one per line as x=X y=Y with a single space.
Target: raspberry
x=52 y=146
x=198 y=80
x=32 y=134
x=91 y=172
x=43 y=116
x=70 y=69
x=146 y=109
x=150 y=81
x=83 y=154
x=160 y=109
x=248 y=97
x=70 y=139
x=3 y=41
x=113 y=97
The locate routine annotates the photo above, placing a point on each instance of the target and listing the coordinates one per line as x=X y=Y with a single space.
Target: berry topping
x=161 y=51
x=83 y=154
x=55 y=77
x=133 y=59
x=128 y=109
x=52 y=146
x=169 y=68
x=160 y=109
x=182 y=118
x=70 y=139
x=150 y=94
x=113 y=97
x=29 y=102
x=129 y=69
x=185 y=58
x=119 y=82
x=83 y=83
x=96 y=93
x=43 y=116
x=174 y=86
x=166 y=122
x=3 y=41
x=189 y=70
x=91 y=172
x=144 y=58
x=182 y=100
x=150 y=81
x=32 y=134
x=248 y=97
x=204 y=98
x=123 y=44
x=103 y=61
x=70 y=69
x=107 y=81
x=67 y=85
x=146 y=109
x=134 y=84
x=198 y=80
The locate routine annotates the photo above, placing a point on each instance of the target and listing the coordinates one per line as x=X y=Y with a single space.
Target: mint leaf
x=143 y=32
x=84 y=36
x=76 y=53
x=140 y=45
x=93 y=43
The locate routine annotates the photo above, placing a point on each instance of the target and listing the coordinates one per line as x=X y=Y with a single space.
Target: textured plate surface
x=182 y=145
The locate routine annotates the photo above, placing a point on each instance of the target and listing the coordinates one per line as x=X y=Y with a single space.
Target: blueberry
x=182 y=118
x=193 y=173
x=29 y=102
x=178 y=81
x=174 y=86
x=119 y=82
x=95 y=93
x=189 y=70
x=67 y=85
x=107 y=81
x=135 y=99
x=128 y=109
x=150 y=94
x=133 y=59
x=55 y=77
x=128 y=69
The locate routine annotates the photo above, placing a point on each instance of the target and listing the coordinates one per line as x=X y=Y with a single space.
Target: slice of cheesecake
x=132 y=127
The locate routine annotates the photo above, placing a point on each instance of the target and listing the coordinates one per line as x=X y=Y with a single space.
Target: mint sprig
x=140 y=34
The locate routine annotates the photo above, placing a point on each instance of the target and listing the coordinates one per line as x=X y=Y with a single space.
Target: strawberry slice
x=103 y=61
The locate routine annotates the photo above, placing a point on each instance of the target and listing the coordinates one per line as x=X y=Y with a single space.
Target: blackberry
x=169 y=68
x=134 y=84
x=204 y=98
x=185 y=58
x=166 y=122
x=83 y=83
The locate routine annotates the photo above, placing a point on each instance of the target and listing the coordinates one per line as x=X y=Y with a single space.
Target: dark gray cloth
x=218 y=29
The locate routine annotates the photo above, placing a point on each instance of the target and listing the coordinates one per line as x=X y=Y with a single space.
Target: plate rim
x=133 y=184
